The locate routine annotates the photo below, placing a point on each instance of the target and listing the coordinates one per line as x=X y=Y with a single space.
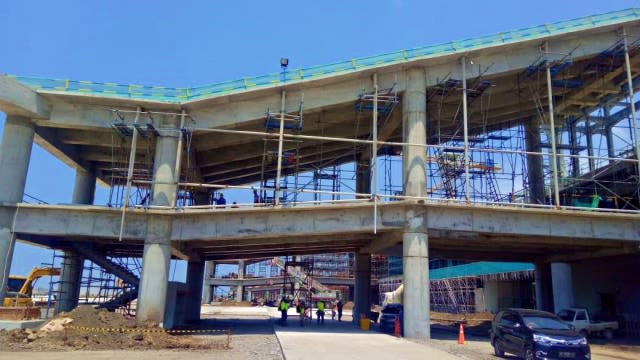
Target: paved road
x=342 y=340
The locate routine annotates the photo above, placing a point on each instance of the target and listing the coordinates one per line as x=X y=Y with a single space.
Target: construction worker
x=221 y=201
x=334 y=310
x=301 y=311
x=320 y=312
x=284 y=307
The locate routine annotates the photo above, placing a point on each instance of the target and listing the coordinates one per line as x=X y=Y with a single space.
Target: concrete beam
x=94 y=222
x=17 y=99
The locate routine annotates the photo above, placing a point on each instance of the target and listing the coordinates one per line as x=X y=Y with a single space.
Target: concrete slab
x=20 y=324
x=343 y=340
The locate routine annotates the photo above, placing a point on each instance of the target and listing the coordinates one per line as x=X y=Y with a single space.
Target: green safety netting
x=177 y=95
x=478 y=269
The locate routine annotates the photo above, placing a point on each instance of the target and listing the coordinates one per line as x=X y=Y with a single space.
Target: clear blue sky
x=187 y=43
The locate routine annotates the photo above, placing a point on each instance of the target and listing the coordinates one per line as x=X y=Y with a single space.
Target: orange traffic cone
x=461 y=335
x=396 y=327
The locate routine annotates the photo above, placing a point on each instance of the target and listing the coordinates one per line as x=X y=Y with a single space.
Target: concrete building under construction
x=519 y=146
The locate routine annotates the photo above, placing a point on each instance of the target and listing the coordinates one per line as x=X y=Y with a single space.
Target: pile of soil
x=130 y=337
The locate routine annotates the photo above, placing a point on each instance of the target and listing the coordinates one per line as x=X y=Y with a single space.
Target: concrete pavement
x=342 y=340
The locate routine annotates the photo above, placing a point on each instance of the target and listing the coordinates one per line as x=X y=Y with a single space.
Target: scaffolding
x=281 y=166
x=98 y=286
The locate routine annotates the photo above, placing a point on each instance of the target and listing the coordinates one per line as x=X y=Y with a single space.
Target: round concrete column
x=562 y=281
x=157 y=244
x=84 y=188
x=73 y=264
x=164 y=181
x=195 y=277
x=535 y=170
x=152 y=294
x=414 y=118
x=415 y=242
x=362 y=286
x=69 y=288
x=15 y=152
x=240 y=287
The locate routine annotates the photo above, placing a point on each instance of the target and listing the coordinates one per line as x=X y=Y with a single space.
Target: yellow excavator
x=20 y=288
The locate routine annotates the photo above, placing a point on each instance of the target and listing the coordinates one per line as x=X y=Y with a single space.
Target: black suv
x=533 y=334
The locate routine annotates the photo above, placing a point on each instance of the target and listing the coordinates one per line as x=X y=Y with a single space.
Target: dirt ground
x=76 y=337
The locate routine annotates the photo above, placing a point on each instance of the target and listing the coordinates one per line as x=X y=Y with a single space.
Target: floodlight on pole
x=284 y=62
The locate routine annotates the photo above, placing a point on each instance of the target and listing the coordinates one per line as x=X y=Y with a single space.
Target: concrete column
x=562 y=286
x=84 y=189
x=363 y=173
x=72 y=266
x=415 y=242
x=611 y=152
x=362 y=302
x=544 y=289
x=589 y=135
x=70 y=275
x=195 y=275
x=535 y=171
x=414 y=124
x=15 y=152
x=164 y=182
x=208 y=274
x=573 y=142
x=240 y=287
x=157 y=244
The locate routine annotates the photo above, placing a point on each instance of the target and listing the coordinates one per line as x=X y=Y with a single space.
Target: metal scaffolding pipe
x=280 y=141
x=634 y=121
x=374 y=153
x=132 y=159
x=176 y=174
x=552 y=125
x=465 y=125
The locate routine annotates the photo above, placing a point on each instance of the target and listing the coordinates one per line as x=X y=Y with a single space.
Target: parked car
x=584 y=324
x=533 y=334
x=390 y=313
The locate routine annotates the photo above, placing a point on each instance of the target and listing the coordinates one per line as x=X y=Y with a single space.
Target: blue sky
x=189 y=43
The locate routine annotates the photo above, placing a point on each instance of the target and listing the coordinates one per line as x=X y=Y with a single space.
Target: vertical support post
x=535 y=175
x=195 y=274
x=157 y=243
x=465 y=126
x=280 y=141
x=70 y=276
x=544 y=287
x=632 y=104
x=72 y=265
x=363 y=175
x=552 y=125
x=178 y=168
x=415 y=240
x=562 y=282
x=362 y=287
x=608 y=130
x=206 y=288
x=84 y=188
x=573 y=142
x=15 y=153
x=240 y=287
x=132 y=160
x=374 y=154
x=589 y=135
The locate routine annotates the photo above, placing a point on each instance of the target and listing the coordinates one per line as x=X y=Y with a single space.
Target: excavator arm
x=34 y=275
